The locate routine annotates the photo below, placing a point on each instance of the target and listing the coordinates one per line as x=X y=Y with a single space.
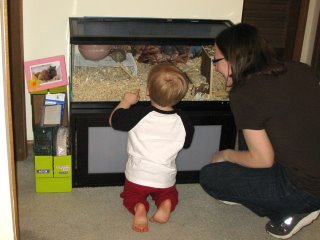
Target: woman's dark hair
x=247 y=53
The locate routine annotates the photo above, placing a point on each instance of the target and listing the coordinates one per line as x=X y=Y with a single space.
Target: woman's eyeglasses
x=214 y=61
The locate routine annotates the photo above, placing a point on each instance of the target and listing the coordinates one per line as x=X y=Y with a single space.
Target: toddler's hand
x=132 y=97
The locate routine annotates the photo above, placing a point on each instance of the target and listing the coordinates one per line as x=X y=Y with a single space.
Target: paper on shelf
x=55 y=98
x=52 y=115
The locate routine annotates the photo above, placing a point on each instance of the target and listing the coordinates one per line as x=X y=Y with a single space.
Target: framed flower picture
x=45 y=73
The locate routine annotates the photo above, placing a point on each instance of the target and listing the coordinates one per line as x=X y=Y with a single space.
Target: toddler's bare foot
x=162 y=215
x=140 y=220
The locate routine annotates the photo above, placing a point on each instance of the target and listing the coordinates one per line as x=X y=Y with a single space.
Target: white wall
x=7 y=226
x=46 y=29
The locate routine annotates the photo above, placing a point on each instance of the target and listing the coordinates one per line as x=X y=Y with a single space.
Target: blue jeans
x=267 y=191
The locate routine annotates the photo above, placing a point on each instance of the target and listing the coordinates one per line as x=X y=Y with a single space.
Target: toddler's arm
x=127 y=101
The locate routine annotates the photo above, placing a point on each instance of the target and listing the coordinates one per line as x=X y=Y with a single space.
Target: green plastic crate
x=43 y=140
x=53 y=173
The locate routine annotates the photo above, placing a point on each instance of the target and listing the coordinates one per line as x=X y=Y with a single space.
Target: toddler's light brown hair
x=167 y=84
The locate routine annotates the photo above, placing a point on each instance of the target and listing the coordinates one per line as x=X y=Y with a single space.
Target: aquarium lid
x=102 y=30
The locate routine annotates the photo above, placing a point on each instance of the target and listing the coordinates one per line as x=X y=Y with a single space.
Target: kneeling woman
x=276 y=105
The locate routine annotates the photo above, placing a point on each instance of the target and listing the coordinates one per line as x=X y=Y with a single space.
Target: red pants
x=134 y=193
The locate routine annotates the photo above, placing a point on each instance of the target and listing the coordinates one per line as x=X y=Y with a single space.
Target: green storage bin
x=43 y=166
x=53 y=185
x=62 y=166
x=53 y=173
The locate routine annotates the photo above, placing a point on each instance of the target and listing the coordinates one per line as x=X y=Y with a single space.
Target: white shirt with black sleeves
x=155 y=138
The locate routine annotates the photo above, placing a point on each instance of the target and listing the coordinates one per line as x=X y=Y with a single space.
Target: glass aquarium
x=110 y=57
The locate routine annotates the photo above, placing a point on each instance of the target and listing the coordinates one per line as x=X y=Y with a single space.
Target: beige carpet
x=98 y=214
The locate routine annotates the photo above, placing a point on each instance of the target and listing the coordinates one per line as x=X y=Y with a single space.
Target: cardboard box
x=53 y=173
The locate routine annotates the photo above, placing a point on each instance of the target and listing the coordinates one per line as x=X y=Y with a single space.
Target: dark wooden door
x=17 y=79
x=281 y=22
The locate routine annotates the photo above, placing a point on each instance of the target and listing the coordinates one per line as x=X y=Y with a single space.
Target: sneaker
x=229 y=203
x=291 y=225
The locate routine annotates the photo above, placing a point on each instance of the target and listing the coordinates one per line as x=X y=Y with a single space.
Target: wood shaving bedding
x=94 y=84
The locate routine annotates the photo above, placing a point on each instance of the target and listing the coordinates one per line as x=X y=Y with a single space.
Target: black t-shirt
x=288 y=108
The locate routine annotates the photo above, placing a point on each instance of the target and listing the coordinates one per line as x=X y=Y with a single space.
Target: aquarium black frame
x=99 y=30
x=88 y=114
x=95 y=114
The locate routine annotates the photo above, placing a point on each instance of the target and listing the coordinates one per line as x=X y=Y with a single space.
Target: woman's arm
x=260 y=152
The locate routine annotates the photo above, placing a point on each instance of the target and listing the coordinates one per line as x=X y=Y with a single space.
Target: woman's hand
x=218 y=157
x=260 y=153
